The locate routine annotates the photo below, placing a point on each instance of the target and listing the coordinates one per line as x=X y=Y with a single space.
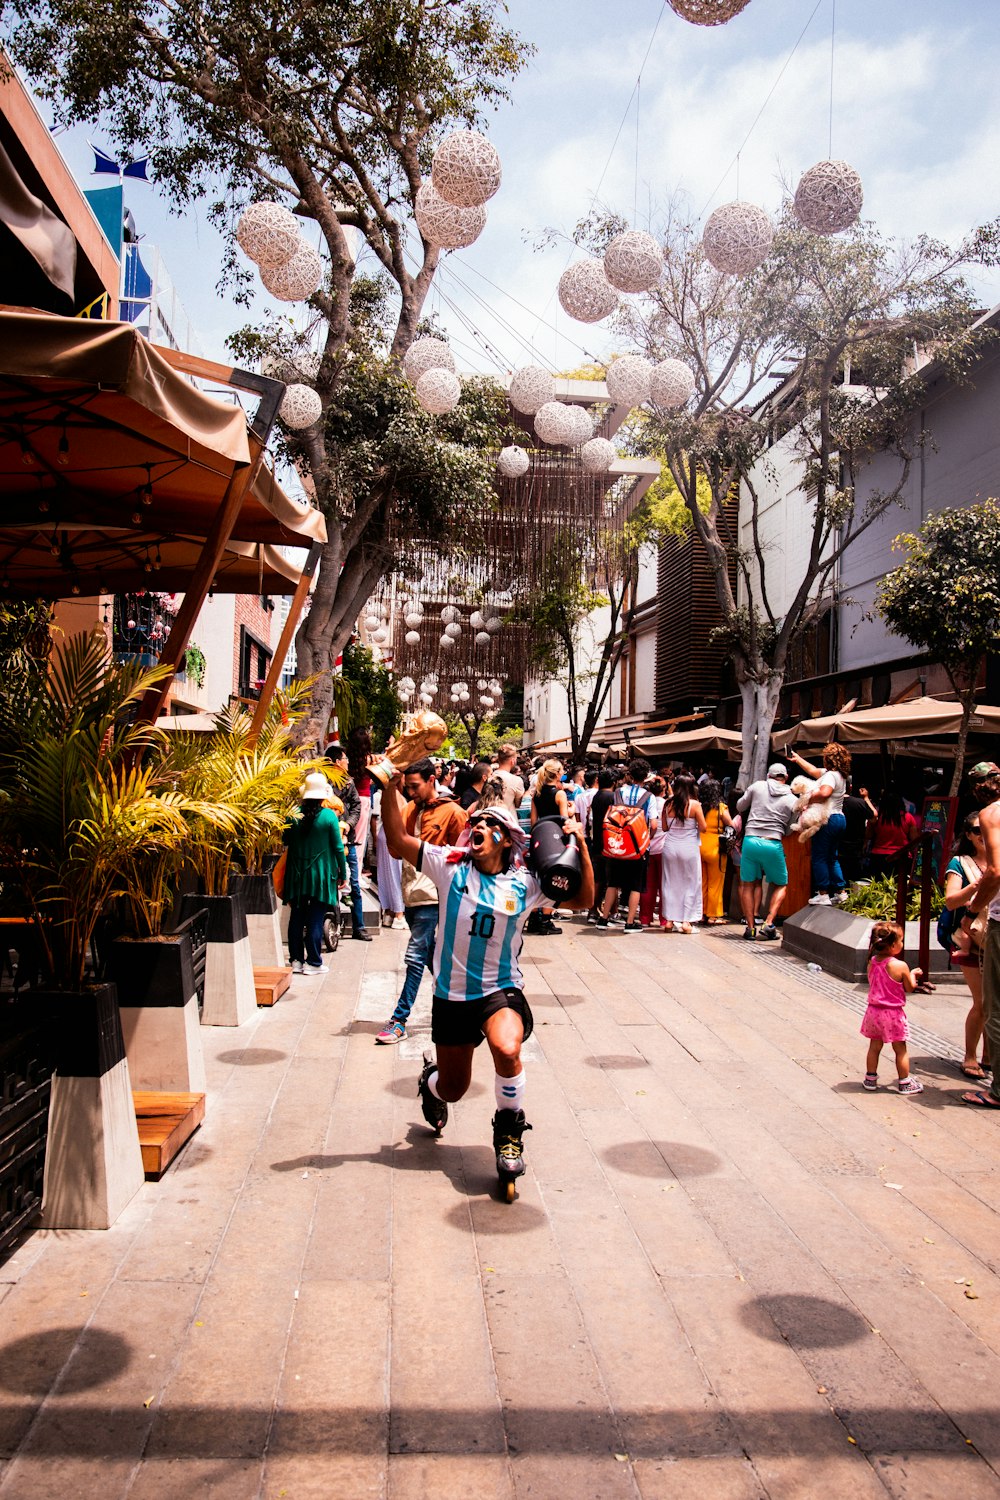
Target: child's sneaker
x=910 y=1086
x=870 y=1082
x=298 y=967
x=393 y=1031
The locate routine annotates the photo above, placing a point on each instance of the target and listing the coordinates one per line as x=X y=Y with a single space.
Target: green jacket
x=315 y=858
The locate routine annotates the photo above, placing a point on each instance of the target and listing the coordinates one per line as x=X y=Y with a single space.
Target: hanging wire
x=760 y=112
x=833 y=41
x=635 y=184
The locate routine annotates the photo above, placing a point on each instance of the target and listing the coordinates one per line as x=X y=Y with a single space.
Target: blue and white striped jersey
x=480 y=924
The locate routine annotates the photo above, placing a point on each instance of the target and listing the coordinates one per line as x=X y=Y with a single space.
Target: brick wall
x=249 y=612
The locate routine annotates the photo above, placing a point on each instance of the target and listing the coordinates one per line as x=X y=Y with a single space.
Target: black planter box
x=257 y=892
x=227 y=918
x=153 y=971
x=25 y=1090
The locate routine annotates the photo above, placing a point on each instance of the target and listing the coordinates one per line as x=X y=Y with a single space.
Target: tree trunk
x=968 y=697
x=760 y=708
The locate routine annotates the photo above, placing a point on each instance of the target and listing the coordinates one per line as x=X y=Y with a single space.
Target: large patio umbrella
x=706 y=739
x=917 y=718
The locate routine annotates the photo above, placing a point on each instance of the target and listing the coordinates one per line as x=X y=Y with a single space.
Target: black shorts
x=626 y=875
x=459 y=1023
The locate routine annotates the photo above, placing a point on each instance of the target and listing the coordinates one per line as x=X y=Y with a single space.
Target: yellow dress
x=713 y=868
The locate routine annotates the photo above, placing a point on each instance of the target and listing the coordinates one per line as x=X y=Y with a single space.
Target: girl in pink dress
x=890 y=980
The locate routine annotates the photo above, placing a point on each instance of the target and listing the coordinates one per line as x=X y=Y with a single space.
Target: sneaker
x=298 y=967
x=591 y=920
x=434 y=1110
x=361 y=936
x=548 y=929
x=394 y=1031
x=767 y=932
x=399 y=924
x=840 y=898
x=870 y=1082
x=749 y=935
x=820 y=899
x=315 y=970
x=633 y=926
x=910 y=1086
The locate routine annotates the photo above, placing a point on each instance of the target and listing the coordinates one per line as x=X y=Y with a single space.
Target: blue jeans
x=422 y=922
x=357 y=911
x=826 y=871
x=305 y=933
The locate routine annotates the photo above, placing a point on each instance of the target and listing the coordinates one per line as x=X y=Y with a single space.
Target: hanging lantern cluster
x=829 y=197
x=585 y=292
x=737 y=238
x=513 y=462
x=633 y=261
x=708 y=12
x=429 y=366
x=446 y=224
x=290 y=268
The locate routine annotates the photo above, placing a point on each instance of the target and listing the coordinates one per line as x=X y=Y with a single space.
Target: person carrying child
x=890 y=980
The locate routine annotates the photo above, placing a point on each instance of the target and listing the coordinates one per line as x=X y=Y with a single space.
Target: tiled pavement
x=729 y=1274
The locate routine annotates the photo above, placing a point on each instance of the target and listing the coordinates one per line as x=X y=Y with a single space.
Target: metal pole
x=281 y=651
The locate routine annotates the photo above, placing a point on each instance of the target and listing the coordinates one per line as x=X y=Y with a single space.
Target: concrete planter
x=93 y=1164
x=230 y=999
x=263 y=920
x=158 y=1003
x=838 y=942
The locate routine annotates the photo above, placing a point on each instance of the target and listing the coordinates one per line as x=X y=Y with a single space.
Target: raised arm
x=806 y=765
x=401 y=845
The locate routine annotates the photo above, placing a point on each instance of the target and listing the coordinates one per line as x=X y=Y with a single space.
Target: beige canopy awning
x=706 y=740
x=108 y=452
x=918 y=718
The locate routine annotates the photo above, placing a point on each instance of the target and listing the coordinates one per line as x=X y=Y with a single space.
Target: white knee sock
x=510 y=1091
x=432 y=1084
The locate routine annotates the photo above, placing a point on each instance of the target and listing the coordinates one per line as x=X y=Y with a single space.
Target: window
x=255 y=658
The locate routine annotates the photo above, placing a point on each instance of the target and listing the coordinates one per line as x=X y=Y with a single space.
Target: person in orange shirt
x=433 y=820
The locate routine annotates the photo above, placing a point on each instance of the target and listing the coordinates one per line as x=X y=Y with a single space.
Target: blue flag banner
x=137 y=169
x=106 y=165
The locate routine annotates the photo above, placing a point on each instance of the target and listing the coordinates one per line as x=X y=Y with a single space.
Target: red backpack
x=626 y=832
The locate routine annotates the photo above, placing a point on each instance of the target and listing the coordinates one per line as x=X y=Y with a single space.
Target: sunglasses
x=976 y=829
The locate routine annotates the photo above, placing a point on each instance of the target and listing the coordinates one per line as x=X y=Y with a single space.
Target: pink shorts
x=885 y=1023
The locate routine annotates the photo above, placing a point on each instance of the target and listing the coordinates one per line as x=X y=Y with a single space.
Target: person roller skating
x=485 y=895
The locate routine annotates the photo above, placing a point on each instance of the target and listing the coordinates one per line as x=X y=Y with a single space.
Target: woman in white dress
x=682 y=824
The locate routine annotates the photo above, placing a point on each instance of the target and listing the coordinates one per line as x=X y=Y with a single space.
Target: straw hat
x=316 y=788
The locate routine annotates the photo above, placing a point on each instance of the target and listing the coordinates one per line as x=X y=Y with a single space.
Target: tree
x=333 y=110
x=945 y=599
x=837 y=321
x=475 y=737
x=373 y=701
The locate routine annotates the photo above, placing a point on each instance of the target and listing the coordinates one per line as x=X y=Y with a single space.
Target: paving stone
x=449 y=1476
x=184 y=1478
x=729 y=1478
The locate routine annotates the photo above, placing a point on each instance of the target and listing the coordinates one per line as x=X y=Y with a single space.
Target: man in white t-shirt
x=513 y=786
x=485 y=895
x=984 y=784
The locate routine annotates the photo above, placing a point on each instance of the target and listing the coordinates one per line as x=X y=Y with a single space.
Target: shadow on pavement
x=252 y=1057
x=627 y=1061
x=29 y=1366
x=662 y=1159
x=803 y=1322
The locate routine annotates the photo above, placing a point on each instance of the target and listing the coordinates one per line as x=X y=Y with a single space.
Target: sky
x=915 y=111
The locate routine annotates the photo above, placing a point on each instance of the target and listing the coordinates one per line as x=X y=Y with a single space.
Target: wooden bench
x=165 y=1122
x=271 y=984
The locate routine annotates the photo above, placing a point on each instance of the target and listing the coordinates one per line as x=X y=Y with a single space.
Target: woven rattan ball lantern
x=530 y=388
x=598 y=455
x=450 y=614
x=708 y=12
x=585 y=292
x=477 y=620
x=829 y=197
x=513 y=462
x=553 y=422
x=268 y=234
x=466 y=168
x=372 y=622
x=482 y=638
x=380 y=637
x=426 y=699
x=633 y=262
x=297 y=278
x=446 y=642
x=438 y=391
x=627 y=380
x=580 y=425
x=494 y=624
x=738 y=238
x=300 y=407
x=427 y=354
x=412 y=637
x=411 y=619
x=445 y=224
x=453 y=631
x=671 y=385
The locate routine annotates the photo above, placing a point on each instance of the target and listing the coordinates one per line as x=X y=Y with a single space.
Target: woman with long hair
x=831 y=785
x=314 y=872
x=682 y=823
x=891 y=829
x=960 y=880
x=549 y=800
x=713 y=857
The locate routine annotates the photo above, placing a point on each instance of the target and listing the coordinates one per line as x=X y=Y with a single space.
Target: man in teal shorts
x=768 y=809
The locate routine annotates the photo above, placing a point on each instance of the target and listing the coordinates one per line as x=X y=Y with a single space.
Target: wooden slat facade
x=689 y=668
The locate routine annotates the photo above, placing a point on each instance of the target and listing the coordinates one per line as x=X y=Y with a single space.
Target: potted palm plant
x=78 y=803
x=251 y=783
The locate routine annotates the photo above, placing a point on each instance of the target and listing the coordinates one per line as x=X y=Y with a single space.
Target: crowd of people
x=660 y=849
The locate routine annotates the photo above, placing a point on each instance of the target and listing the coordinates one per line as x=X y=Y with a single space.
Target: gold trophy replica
x=427 y=732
